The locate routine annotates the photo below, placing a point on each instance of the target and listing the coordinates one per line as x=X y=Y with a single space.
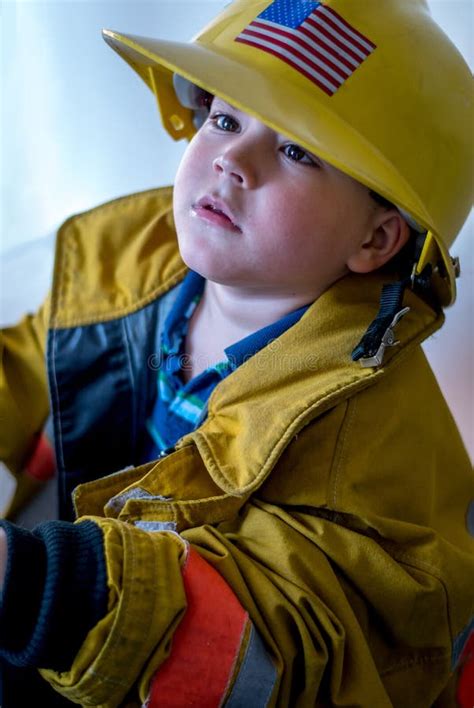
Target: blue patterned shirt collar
x=177 y=323
x=180 y=407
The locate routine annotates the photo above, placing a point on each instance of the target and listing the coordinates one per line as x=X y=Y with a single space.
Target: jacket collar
x=254 y=413
x=115 y=259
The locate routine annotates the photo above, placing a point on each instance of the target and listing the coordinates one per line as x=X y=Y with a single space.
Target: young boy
x=289 y=527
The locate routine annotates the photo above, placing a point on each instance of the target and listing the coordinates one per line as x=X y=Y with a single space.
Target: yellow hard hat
x=372 y=86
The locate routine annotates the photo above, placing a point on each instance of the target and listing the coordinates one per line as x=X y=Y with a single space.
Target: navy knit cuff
x=55 y=591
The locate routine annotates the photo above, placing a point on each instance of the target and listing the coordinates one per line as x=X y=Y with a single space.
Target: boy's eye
x=223 y=121
x=297 y=154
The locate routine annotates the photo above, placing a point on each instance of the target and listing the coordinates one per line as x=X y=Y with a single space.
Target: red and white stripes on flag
x=324 y=47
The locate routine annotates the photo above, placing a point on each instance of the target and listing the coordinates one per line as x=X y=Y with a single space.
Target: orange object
x=206 y=644
x=41 y=464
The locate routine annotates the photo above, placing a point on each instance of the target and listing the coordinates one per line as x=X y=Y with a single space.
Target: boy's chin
x=218 y=275
x=206 y=267
x=213 y=275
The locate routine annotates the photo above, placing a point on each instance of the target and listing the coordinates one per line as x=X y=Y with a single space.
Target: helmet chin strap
x=379 y=335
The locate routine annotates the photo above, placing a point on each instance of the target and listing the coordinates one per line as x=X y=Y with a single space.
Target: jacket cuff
x=55 y=591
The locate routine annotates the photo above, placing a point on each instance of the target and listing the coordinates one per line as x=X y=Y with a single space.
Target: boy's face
x=255 y=211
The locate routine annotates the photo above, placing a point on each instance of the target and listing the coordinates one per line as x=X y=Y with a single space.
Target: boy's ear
x=389 y=234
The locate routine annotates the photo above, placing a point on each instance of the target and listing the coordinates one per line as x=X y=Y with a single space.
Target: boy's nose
x=236 y=169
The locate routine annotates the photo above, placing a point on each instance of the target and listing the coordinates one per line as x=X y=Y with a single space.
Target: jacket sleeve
x=145 y=603
x=270 y=608
x=172 y=628
x=93 y=602
x=24 y=405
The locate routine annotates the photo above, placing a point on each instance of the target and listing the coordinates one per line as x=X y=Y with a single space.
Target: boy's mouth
x=216 y=211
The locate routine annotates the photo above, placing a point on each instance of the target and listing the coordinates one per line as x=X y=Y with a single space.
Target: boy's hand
x=3 y=557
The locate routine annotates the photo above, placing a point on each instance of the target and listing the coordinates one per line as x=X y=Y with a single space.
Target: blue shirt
x=180 y=407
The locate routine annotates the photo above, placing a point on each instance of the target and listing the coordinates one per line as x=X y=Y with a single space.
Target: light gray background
x=78 y=128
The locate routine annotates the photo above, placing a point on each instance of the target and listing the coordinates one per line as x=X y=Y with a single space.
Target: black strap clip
x=388 y=340
x=371 y=349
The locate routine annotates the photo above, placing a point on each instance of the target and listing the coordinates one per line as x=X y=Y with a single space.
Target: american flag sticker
x=312 y=38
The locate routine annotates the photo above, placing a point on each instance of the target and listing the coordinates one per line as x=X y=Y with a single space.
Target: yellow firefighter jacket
x=331 y=499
